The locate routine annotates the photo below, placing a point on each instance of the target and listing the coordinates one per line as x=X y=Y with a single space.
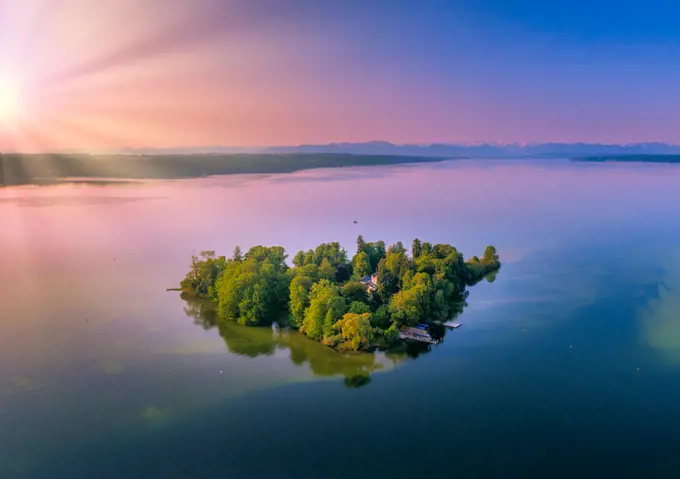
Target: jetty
x=452 y=324
x=417 y=334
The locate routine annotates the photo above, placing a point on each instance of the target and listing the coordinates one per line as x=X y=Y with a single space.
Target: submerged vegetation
x=349 y=304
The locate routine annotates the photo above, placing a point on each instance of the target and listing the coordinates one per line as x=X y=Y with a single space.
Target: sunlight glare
x=10 y=102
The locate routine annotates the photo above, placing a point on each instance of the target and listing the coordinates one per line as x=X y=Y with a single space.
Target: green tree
x=416 y=248
x=326 y=270
x=490 y=254
x=362 y=265
x=397 y=263
x=357 y=307
x=300 y=287
x=255 y=290
x=204 y=271
x=237 y=256
x=326 y=306
x=356 y=330
x=381 y=317
x=410 y=306
x=388 y=283
x=397 y=247
x=299 y=259
x=361 y=244
x=355 y=291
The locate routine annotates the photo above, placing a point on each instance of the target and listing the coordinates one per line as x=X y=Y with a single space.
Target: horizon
x=261 y=72
x=327 y=148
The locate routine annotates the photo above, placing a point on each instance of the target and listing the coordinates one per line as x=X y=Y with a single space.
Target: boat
x=452 y=324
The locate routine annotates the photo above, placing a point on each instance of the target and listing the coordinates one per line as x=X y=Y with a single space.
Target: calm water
x=567 y=365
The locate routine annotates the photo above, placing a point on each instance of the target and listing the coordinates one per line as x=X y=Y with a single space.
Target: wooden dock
x=452 y=324
x=416 y=334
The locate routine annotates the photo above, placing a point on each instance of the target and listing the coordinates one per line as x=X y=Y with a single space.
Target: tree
x=362 y=265
x=416 y=248
x=381 y=317
x=204 y=272
x=409 y=306
x=361 y=244
x=208 y=254
x=332 y=252
x=255 y=290
x=299 y=259
x=326 y=270
x=326 y=306
x=356 y=330
x=490 y=254
x=380 y=252
x=357 y=307
x=237 y=256
x=299 y=299
x=388 y=283
x=355 y=291
x=310 y=270
x=275 y=255
x=397 y=263
x=397 y=247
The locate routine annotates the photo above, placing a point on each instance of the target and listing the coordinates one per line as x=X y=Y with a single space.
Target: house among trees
x=371 y=282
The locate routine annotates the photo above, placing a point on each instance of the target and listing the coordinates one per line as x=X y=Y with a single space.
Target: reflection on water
x=322 y=361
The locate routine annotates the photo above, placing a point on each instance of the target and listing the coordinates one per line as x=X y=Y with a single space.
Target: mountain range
x=480 y=150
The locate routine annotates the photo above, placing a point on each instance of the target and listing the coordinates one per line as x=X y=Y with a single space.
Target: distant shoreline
x=630 y=159
x=41 y=169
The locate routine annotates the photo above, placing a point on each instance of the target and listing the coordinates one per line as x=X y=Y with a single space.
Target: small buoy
x=570 y=346
x=638 y=369
x=525 y=330
x=221 y=371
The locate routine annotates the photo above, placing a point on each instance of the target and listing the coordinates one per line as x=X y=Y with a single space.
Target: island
x=383 y=294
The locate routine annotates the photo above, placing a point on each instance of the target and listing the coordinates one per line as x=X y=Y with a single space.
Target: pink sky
x=169 y=73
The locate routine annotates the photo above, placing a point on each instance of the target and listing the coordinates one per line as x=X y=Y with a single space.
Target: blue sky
x=275 y=72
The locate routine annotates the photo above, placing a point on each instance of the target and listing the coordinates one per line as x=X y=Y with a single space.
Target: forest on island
x=322 y=293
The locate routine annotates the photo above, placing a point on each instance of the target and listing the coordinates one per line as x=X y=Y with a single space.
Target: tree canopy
x=321 y=294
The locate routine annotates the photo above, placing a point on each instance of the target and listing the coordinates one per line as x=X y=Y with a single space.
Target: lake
x=567 y=365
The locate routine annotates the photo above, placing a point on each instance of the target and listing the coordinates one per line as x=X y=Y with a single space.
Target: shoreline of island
x=380 y=296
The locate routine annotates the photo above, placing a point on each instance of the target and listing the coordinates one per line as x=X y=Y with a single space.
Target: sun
x=10 y=102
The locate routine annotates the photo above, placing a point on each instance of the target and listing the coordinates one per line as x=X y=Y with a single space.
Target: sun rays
x=109 y=75
x=10 y=102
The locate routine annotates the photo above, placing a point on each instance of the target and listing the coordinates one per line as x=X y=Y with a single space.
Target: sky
x=172 y=73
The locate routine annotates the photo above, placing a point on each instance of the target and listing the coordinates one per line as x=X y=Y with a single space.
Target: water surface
x=566 y=365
